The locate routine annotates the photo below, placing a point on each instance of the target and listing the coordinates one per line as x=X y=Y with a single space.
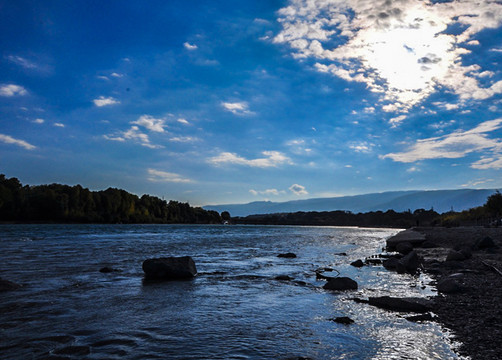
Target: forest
x=57 y=203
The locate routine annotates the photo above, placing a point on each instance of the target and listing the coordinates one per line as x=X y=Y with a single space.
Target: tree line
x=488 y=214
x=75 y=204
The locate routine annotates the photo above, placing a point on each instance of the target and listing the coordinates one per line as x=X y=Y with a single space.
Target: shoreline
x=463 y=262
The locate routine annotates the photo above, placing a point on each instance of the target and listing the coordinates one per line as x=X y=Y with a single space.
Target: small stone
x=358 y=263
x=287 y=255
x=343 y=320
x=454 y=255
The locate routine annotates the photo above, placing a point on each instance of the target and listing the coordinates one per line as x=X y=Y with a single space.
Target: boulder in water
x=340 y=284
x=169 y=268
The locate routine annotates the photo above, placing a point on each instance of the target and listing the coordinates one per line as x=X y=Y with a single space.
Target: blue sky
x=216 y=102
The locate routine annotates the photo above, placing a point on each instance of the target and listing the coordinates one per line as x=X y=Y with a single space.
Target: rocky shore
x=466 y=263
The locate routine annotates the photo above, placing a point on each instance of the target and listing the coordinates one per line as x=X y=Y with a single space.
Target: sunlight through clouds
x=401 y=50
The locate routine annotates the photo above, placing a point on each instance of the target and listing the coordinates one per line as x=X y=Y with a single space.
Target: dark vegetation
x=488 y=214
x=75 y=204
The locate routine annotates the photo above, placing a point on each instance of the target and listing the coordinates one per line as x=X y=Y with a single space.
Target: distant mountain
x=441 y=200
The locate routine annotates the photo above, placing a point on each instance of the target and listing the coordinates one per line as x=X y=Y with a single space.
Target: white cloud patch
x=238 y=108
x=477 y=182
x=150 y=123
x=9 y=90
x=298 y=189
x=190 y=47
x=163 y=176
x=105 y=101
x=133 y=134
x=271 y=159
x=183 y=121
x=457 y=145
x=23 y=62
x=397 y=120
x=184 y=139
x=267 y=192
x=401 y=50
x=59 y=125
x=39 y=121
x=10 y=140
x=362 y=147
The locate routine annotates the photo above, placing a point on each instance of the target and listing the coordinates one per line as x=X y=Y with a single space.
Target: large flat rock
x=411 y=236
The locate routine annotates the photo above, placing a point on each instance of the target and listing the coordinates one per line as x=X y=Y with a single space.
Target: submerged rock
x=6 y=285
x=107 y=269
x=284 y=277
x=287 y=255
x=169 y=268
x=340 y=284
x=419 y=305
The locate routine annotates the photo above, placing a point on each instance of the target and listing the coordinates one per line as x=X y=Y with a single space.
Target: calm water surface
x=234 y=308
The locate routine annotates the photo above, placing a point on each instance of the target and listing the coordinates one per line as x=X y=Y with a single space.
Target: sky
x=214 y=102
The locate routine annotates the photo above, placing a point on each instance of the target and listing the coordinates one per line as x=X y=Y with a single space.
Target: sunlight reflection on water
x=235 y=309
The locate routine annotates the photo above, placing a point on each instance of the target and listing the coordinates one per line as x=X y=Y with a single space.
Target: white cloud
x=442 y=124
x=59 y=125
x=105 y=101
x=477 y=182
x=271 y=159
x=150 y=123
x=190 y=47
x=456 y=145
x=39 y=121
x=397 y=120
x=237 y=108
x=362 y=147
x=401 y=50
x=116 y=75
x=133 y=134
x=23 y=62
x=184 y=139
x=10 y=140
x=9 y=90
x=163 y=176
x=183 y=121
x=298 y=189
x=274 y=192
x=413 y=169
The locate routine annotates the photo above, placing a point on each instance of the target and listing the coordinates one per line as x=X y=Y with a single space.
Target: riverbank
x=468 y=259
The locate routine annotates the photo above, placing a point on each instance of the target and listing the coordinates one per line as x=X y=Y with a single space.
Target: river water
x=234 y=308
